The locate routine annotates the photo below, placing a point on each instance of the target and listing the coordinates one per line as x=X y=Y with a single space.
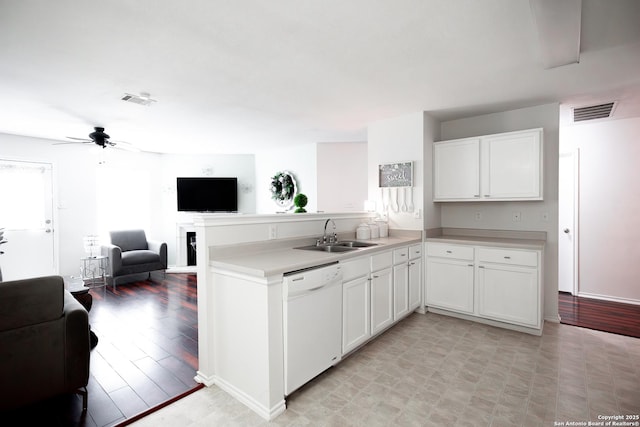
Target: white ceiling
x=246 y=75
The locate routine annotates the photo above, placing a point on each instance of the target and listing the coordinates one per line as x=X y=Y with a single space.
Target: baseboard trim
x=503 y=325
x=609 y=298
x=265 y=412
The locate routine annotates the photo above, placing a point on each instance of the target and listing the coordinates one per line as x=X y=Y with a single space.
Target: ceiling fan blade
x=123 y=145
x=78 y=139
x=70 y=142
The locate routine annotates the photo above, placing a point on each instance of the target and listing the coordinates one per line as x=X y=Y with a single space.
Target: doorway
x=568 y=222
x=26 y=214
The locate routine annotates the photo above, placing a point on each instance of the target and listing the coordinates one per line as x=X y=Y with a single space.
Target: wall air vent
x=592 y=112
x=142 y=99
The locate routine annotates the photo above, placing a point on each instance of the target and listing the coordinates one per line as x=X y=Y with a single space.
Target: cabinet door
x=356 y=319
x=509 y=293
x=511 y=166
x=450 y=284
x=415 y=283
x=400 y=291
x=381 y=300
x=456 y=170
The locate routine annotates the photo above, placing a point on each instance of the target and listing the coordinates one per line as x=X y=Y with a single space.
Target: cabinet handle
x=412 y=263
x=471 y=265
x=476 y=195
x=507 y=257
x=487 y=195
x=481 y=266
x=375 y=277
x=449 y=252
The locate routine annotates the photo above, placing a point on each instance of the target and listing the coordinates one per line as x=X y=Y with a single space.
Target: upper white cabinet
x=456 y=168
x=506 y=166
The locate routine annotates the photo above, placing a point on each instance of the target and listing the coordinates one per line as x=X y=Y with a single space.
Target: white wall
x=75 y=168
x=609 y=183
x=498 y=215
x=300 y=161
x=342 y=176
x=241 y=166
x=432 y=211
x=399 y=139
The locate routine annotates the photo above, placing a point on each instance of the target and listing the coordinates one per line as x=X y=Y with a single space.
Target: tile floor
x=433 y=370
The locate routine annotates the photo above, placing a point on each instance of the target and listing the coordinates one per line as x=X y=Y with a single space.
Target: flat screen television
x=207 y=194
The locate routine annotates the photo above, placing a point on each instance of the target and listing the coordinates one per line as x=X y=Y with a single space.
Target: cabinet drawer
x=450 y=251
x=415 y=251
x=381 y=261
x=506 y=256
x=354 y=268
x=400 y=255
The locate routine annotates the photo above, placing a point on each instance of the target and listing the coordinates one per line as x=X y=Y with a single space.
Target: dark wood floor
x=147 y=354
x=608 y=316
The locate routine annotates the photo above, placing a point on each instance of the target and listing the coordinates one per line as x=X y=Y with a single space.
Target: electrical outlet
x=478 y=216
x=516 y=217
x=417 y=214
x=273 y=231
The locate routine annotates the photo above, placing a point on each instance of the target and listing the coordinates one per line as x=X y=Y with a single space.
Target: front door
x=26 y=214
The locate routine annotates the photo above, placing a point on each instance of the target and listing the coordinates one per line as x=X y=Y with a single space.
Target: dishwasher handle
x=292 y=291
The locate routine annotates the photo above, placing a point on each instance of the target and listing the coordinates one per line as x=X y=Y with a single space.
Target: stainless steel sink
x=328 y=248
x=355 y=244
x=344 y=246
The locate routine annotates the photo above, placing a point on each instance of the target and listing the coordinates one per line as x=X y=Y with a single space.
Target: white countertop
x=265 y=262
x=490 y=241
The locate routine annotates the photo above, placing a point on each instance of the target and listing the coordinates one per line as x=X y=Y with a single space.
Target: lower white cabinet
x=381 y=300
x=508 y=293
x=450 y=284
x=356 y=316
x=377 y=291
x=415 y=284
x=400 y=283
x=400 y=291
x=495 y=283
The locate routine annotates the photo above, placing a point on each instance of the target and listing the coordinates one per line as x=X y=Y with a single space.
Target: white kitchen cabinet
x=381 y=300
x=506 y=166
x=494 y=283
x=456 y=169
x=400 y=283
x=415 y=277
x=400 y=290
x=356 y=317
x=450 y=284
x=508 y=287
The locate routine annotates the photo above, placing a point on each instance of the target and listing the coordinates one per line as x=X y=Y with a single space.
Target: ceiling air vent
x=592 y=112
x=142 y=99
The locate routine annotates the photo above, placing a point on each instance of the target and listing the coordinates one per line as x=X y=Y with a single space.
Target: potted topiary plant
x=300 y=201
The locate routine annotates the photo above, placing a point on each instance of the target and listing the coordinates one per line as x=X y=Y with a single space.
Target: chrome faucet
x=333 y=238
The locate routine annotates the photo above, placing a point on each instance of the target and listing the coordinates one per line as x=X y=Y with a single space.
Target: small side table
x=94 y=271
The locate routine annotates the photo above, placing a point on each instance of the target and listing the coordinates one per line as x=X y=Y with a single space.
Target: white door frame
x=568 y=229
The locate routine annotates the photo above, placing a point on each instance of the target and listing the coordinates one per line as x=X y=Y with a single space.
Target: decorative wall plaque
x=395 y=175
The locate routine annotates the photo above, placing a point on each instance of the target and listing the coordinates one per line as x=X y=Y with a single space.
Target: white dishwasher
x=312 y=323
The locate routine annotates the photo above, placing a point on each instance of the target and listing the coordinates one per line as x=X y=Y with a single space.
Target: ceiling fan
x=100 y=138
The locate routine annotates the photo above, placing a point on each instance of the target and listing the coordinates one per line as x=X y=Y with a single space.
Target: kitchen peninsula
x=241 y=264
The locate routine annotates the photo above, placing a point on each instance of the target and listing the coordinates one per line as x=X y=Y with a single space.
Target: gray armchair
x=131 y=253
x=44 y=342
